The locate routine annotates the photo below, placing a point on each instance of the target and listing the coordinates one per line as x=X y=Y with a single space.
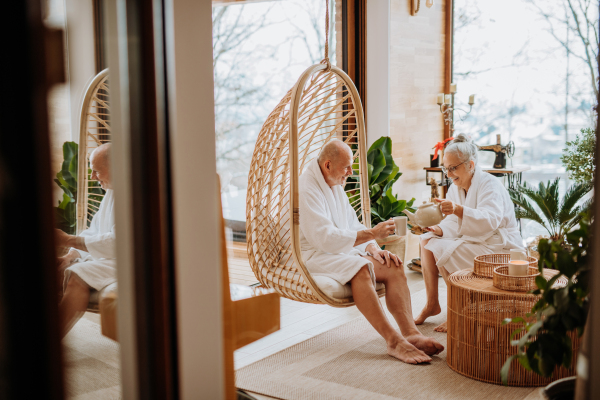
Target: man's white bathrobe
x=488 y=224
x=328 y=229
x=97 y=266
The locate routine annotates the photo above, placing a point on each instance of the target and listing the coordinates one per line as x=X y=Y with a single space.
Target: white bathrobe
x=97 y=266
x=328 y=229
x=488 y=224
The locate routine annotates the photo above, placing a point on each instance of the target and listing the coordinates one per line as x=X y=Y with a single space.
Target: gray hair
x=464 y=148
x=332 y=151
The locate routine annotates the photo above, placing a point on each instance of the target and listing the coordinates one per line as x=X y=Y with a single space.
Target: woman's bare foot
x=428 y=311
x=428 y=345
x=442 y=327
x=406 y=352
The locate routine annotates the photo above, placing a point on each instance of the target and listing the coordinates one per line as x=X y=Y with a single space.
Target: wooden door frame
x=354 y=43
x=137 y=74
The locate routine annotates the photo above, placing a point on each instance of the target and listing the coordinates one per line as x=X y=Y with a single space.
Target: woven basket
x=484 y=265
x=479 y=342
x=502 y=280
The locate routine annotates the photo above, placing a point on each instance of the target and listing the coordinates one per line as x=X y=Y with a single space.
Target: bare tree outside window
x=532 y=66
x=259 y=51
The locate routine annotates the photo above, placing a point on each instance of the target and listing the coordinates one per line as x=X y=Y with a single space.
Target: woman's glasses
x=446 y=171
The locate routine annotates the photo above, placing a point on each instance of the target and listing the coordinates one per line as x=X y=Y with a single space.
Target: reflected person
x=90 y=263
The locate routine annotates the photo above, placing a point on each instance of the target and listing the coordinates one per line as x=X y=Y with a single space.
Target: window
x=260 y=50
x=533 y=70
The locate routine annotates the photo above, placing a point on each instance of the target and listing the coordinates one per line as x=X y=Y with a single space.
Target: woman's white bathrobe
x=97 y=266
x=488 y=224
x=328 y=229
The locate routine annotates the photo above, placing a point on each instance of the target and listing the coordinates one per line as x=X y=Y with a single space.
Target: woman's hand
x=449 y=208
x=435 y=229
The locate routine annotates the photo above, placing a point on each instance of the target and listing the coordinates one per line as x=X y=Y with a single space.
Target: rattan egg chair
x=94 y=130
x=324 y=104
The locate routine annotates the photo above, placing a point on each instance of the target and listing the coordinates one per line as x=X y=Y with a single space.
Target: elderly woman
x=480 y=219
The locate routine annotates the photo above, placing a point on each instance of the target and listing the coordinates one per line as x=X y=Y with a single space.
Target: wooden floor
x=239 y=267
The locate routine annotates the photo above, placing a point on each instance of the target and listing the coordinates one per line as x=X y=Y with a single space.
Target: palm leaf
x=545 y=200
x=572 y=197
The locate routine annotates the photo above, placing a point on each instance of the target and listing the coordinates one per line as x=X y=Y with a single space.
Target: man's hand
x=65 y=240
x=435 y=229
x=385 y=257
x=68 y=259
x=384 y=229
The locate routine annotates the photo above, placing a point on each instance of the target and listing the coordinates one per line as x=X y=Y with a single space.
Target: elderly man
x=90 y=263
x=335 y=244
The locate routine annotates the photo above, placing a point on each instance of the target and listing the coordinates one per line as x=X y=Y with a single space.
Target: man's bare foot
x=408 y=353
x=428 y=345
x=442 y=327
x=428 y=311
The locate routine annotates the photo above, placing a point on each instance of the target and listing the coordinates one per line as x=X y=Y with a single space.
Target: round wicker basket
x=502 y=280
x=479 y=343
x=484 y=265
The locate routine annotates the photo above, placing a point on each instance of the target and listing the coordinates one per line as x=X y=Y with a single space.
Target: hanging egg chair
x=323 y=104
x=94 y=130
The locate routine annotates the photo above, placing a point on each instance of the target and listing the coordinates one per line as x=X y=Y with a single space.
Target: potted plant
x=383 y=173
x=545 y=342
x=558 y=216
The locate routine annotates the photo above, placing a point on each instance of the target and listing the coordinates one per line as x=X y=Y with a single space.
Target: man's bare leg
x=397 y=298
x=74 y=303
x=430 y=277
x=367 y=301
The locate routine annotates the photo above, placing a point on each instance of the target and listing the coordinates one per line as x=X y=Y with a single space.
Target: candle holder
x=446 y=103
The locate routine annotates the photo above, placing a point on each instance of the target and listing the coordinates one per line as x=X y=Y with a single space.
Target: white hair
x=464 y=148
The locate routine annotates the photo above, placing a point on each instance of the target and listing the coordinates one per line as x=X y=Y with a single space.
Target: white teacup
x=400 y=223
x=518 y=268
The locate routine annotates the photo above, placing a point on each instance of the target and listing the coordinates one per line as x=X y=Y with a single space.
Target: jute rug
x=350 y=362
x=92 y=363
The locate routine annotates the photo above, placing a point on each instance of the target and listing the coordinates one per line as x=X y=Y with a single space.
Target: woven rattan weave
x=324 y=104
x=478 y=343
x=502 y=280
x=94 y=130
x=484 y=265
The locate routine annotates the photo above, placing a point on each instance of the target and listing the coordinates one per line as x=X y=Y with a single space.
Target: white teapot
x=427 y=214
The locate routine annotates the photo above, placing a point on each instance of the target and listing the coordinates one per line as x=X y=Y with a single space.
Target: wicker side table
x=478 y=343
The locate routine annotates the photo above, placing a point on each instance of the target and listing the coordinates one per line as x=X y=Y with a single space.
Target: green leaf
x=506 y=368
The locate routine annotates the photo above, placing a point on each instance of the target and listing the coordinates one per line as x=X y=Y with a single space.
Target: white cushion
x=334 y=289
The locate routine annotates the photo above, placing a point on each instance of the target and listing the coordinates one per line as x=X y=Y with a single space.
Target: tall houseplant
x=383 y=173
x=545 y=342
x=557 y=216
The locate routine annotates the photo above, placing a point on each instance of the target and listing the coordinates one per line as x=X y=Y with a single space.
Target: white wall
x=378 y=70
x=81 y=61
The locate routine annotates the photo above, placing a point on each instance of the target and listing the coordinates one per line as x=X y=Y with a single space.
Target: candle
x=453 y=88
x=471 y=99
x=440 y=99
x=448 y=99
x=517 y=268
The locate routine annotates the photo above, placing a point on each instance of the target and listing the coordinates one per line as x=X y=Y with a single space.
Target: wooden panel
x=417 y=74
x=255 y=318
